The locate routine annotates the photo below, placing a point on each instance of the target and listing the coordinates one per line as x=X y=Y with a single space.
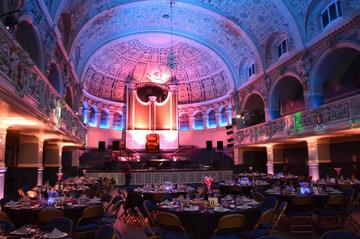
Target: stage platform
x=140 y=177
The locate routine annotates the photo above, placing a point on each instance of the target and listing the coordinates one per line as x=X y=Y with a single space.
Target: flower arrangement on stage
x=338 y=171
x=208 y=182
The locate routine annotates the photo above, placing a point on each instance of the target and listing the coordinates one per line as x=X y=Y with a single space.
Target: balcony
x=329 y=118
x=23 y=83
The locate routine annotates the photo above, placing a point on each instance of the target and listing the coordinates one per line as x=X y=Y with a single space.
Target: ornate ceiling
x=200 y=73
x=231 y=31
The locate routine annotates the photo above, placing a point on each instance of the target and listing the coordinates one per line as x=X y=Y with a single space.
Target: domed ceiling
x=214 y=38
x=200 y=73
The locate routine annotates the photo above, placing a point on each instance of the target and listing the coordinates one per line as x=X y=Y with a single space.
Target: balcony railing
x=338 y=115
x=30 y=84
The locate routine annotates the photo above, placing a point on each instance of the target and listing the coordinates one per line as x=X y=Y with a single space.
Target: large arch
x=211 y=119
x=55 y=78
x=286 y=97
x=28 y=38
x=104 y=119
x=118 y=121
x=92 y=121
x=334 y=74
x=254 y=109
x=198 y=121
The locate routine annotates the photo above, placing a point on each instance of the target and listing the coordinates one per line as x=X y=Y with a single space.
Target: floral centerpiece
x=208 y=182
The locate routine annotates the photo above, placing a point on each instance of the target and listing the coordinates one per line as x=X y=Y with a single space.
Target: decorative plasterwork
x=200 y=73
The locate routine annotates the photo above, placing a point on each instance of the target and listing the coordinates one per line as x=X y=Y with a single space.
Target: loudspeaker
x=101 y=147
x=116 y=145
x=228 y=126
x=220 y=145
x=208 y=145
x=229 y=132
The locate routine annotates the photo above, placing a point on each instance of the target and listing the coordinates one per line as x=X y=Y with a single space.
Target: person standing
x=127 y=174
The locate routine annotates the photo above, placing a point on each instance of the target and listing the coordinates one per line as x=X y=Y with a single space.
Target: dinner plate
x=61 y=235
x=244 y=206
x=191 y=209
x=169 y=206
x=219 y=209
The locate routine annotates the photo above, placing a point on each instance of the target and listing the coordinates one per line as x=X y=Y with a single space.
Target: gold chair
x=279 y=215
x=87 y=225
x=48 y=214
x=331 y=216
x=259 y=230
x=21 y=192
x=149 y=231
x=4 y=217
x=230 y=222
x=300 y=215
x=169 y=220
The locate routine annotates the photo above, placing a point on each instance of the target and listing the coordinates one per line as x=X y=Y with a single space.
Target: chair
x=332 y=215
x=279 y=213
x=228 y=225
x=340 y=234
x=349 y=209
x=4 y=216
x=259 y=197
x=269 y=203
x=149 y=209
x=105 y=232
x=300 y=215
x=170 y=226
x=61 y=223
x=262 y=226
x=88 y=223
x=7 y=226
x=47 y=214
x=151 y=232
x=132 y=200
x=152 y=143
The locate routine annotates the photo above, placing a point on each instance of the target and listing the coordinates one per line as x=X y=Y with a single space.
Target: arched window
x=27 y=37
x=55 y=78
x=118 y=121
x=198 y=121
x=211 y=119
x=85 y=109
x=223 y=120
x=331 y=12
x=104 y=119
x=92 y=117
x=184 y=124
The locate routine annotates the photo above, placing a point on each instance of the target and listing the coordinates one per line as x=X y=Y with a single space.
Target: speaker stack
x=230 y=132
x=101 y=146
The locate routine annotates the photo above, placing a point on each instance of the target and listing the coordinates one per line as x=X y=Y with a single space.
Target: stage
x=140 y=177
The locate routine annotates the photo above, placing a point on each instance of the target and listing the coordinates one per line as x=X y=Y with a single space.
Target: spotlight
x=230 y=145
x=230 y=140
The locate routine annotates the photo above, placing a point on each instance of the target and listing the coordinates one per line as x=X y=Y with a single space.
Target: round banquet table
x=28 y=216
x=159 y=196
x=201 y=225
x=237 y=189
x=318 y=200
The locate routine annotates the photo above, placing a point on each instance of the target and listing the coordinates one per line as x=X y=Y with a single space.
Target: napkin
x=56 y=233
x=166 y=202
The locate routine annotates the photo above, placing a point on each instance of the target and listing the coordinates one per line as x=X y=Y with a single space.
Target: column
x=217 y=117
x=75 y=155
x=318 y=152
x=270 y=159
x=111 y=120
x=266 y=110
x=30 y=160
x=205 y=120
x=3 y=169
x=191 y=122
x=52 y=161
x=238 y=156
x=98 y=116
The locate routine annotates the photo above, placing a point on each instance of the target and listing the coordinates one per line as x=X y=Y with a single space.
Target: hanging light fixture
x=171 y=60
